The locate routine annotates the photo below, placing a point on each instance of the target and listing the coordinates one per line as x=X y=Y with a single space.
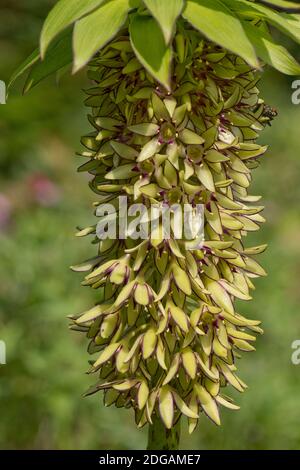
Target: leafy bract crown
x=76 y=30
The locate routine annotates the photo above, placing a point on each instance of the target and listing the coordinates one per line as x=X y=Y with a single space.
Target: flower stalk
x=160 y=438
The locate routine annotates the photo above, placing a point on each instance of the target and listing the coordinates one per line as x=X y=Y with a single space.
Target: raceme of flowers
x=165 y=334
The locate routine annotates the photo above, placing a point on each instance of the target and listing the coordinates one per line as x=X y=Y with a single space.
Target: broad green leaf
x=58 y=55
x=291 y=28
x=220 y=25
x=64 y=13
x=282 y=5
x=94 y=31
x=149 y=46
x=166 y=14
x=29 y=62
x=271 y=53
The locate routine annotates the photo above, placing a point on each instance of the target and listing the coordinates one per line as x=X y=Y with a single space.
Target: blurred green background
x=43 y=199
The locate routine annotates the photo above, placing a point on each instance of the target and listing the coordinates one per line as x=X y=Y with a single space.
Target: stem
x=160 y=438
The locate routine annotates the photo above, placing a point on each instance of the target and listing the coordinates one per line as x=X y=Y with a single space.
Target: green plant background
x=42 y=383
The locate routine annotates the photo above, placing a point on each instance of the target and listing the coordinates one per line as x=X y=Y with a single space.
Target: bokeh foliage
x=42 y=383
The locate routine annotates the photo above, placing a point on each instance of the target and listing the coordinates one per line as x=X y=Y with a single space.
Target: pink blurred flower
x=44 y=191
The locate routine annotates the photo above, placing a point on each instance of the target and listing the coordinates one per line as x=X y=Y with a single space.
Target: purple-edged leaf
x=166 y=406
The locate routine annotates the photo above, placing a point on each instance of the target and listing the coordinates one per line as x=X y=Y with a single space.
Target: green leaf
x=220 y=25
x=289 y=27
x=149 y=46
x=166 y=14
x=57 y=56
x=282 y=5
x=94 y=31
x=64 y=13
x=271 y=53
x=29 y=62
